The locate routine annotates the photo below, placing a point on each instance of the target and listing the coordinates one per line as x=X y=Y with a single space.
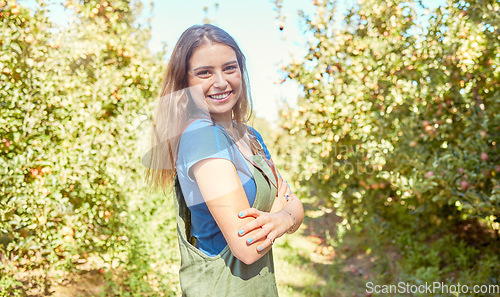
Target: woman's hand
x=271 y=225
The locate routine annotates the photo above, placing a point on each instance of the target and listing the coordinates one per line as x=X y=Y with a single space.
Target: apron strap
x=183 y=212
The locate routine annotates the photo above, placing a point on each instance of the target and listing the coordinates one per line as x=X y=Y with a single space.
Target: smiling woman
x=231 y=201
x=215 y=67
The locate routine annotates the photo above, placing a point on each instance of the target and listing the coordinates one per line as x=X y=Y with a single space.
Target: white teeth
x=220 y=96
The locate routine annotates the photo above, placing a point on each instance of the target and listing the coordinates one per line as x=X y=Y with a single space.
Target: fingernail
x=240 y=214
x=241 y=231
x=250 y=240
x=260 y=248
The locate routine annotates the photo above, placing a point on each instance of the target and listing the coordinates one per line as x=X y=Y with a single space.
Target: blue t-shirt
x=203 y=140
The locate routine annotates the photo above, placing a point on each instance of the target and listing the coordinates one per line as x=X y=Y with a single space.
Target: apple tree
x=399 y=119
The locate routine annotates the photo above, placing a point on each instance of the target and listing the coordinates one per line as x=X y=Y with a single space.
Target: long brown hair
x=176 y=106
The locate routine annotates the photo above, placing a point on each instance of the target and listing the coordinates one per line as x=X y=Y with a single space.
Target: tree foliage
x=71 y=101
x=401 y=117
x=398 y=129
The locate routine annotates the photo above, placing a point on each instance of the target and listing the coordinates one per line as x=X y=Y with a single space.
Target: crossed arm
x=247 y=231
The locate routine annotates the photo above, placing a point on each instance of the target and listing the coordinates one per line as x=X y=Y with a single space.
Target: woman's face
x=214 y=67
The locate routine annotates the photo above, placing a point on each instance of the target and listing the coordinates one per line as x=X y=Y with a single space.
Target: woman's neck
x=224 y=121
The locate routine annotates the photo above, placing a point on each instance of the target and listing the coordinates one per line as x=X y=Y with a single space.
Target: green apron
x=225 y=275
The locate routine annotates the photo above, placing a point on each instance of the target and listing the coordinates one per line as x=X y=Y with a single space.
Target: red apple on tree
x=464 y=184
x=484 y=156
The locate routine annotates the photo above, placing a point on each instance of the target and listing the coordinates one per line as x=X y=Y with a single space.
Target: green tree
x=395 y=110
x=398 y=127
x=72 y=100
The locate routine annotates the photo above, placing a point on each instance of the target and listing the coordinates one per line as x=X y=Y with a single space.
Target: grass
x=309 y=265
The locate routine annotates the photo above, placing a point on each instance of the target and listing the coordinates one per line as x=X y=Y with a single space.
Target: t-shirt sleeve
x=202 y=140
x=261 y=141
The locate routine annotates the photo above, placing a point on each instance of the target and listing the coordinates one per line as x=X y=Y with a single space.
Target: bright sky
x=254 y=26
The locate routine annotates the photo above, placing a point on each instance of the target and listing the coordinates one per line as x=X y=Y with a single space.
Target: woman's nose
x=220 y=81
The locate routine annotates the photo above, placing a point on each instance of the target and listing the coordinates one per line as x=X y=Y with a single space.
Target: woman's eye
x=204 y=73
x=231 y=68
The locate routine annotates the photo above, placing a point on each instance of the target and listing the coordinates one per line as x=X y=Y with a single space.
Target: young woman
x=231 y=201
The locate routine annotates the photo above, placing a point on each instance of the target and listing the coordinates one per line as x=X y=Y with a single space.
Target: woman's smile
x=221 y=97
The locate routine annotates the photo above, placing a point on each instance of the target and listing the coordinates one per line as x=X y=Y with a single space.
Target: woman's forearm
x=294 y=209
x=289 y=203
